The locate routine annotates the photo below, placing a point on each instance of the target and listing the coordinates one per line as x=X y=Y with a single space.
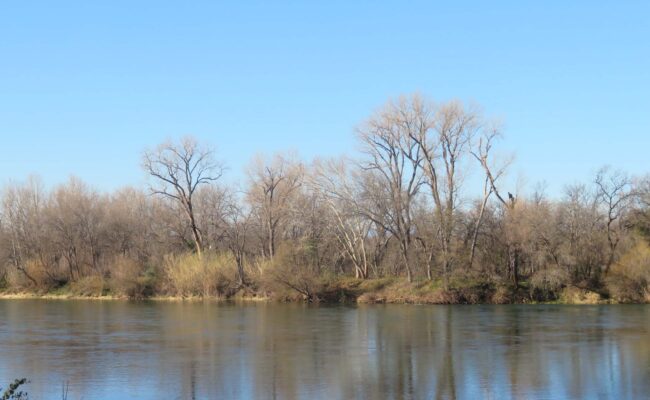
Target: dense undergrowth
x=214 y=276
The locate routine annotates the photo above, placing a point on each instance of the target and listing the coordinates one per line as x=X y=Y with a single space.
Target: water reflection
x=107 y=350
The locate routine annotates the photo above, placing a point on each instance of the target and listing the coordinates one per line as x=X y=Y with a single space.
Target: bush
x=546 y=284
x=209 y=275
x=504 y=294
x=130 y=278
x=575 y=295
x=624 y=289
x=288 y=282
x=93 y=286
x=629 y=279
x=44 y=281
x=284 y=280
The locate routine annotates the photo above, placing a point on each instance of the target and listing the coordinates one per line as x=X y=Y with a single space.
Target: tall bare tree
x=178 y=170
x=443 y=133
x=394 y=165
x=508 y=203
x=493 y=172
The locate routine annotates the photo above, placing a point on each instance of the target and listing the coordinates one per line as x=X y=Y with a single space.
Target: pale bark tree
x=492 y=175
x=393 y=161
x=443 y=134
x=493 y=172
x=336 y=185
x=178 y=170
x=22 y=217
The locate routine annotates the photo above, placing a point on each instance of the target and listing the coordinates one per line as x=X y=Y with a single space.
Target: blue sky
x=86 y=86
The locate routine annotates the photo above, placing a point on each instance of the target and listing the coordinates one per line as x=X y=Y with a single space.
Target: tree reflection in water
x=211 y=350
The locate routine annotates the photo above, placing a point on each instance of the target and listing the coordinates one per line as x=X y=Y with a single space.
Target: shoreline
x=344 y=291
x=52 y=296
x=261 y=299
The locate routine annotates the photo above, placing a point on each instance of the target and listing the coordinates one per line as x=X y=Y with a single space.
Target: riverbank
x=368 y=291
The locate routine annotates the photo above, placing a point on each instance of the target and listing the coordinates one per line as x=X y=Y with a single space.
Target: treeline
x=401 y=212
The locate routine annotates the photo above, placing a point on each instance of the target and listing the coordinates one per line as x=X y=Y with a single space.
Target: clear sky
x=85 y=86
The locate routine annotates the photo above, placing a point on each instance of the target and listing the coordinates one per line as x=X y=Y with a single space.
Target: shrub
x=44 y=280
x=289 y=282
x=285 y=280
x=629 y=279
x=624 y=289
x=546 y=284
x=504 y=294
x=93 y=286
x=575 y=295
x=130 y=278
x=209 y=275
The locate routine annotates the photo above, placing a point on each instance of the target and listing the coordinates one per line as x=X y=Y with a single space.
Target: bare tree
x=273 y=185
x=443 y=134
x=22 y=216
x=642 y=211
x=481 y=153
x=492 y=175
x=337 y=186
x=76 y=215
x=394 y=165
x=236 y=225
x=579 y=223
x=614 y=191
x=179 y=169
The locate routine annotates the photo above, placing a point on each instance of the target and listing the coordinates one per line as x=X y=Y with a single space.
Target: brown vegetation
x=398 y=223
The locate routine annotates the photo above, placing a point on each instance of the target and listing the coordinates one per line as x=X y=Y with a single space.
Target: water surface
x=115 y=349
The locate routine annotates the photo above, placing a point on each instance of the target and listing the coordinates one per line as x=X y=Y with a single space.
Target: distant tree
x=615 y=195
x=393 y=165
x=443 y=133
x=75 y=215
x=23 y=219
x=482 y=152
x=341 y=192
x=579 y=224
x=273 y=185
x=178 y=170
x=508 y=204
x=236 y=226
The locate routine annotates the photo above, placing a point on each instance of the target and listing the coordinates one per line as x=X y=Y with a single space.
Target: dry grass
x=212 y=275
x=574 y=295
x=629 y=279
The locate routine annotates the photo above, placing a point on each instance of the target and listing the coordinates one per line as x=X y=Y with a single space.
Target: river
x=210 y=350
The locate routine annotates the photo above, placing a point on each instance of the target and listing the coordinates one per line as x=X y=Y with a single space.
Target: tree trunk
x=405 y=258
x=479 y=220
x=513 y=264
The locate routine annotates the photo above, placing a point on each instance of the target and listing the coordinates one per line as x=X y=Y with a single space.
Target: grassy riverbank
x=350 y=290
